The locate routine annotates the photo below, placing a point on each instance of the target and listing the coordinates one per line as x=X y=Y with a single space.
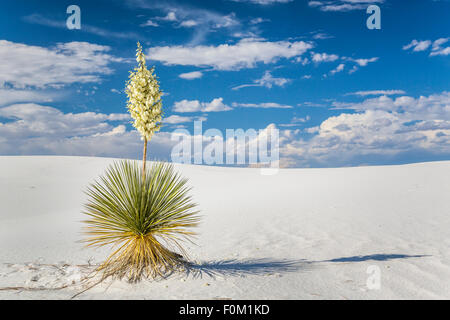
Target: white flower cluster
x=144 y=98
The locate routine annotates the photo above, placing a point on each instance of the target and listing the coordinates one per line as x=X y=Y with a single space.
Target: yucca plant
x=142 y=212
x=145 y=219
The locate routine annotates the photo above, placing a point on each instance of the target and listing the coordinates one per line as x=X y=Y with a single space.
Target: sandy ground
x=347 y=233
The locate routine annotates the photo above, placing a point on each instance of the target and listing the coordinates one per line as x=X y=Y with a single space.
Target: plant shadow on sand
x=375 y=257
x=234 y=267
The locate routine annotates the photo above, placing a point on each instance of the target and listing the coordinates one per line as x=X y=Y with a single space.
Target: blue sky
x=340 y=94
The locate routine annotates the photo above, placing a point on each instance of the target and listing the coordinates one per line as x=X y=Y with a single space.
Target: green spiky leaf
x=144 y=217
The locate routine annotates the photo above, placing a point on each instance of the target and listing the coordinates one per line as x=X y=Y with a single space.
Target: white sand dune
x=300 y=234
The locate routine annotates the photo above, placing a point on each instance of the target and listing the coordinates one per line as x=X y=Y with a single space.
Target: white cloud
x=176 y=119
x=11 y=96
x=41 y=130
x=265 y=105
x=312 y=130
x=342 y=5
x=37 y=129
x=436 y=46
x=267 y=81
x=377 y=93
x=24 y=66
x=311 y=104
x=315 y=3
x=321 y=36
x=171 y=16
x=178 y=14
x=422 y=108
x=383 y=129
x=418 y=45
x=323 y=57
x=363 y=62
x=243 y=151
x=191 y=75
x=264 y=2
x=357 y=62
x=296 y=121
x=301 y=120
x=443 y=52
x=216 y=105
x=439 y=42
x=244 y=54
x=150 y=23
x=186 y=16
x=48 y=121
x=245 y=34
x=258 y=20
x=189 y=23
x=438 y=50
x=304 y=61
x=338 y=69
x=61 y=24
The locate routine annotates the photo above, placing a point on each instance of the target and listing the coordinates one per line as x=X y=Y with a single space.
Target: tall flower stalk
x=144 y=101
